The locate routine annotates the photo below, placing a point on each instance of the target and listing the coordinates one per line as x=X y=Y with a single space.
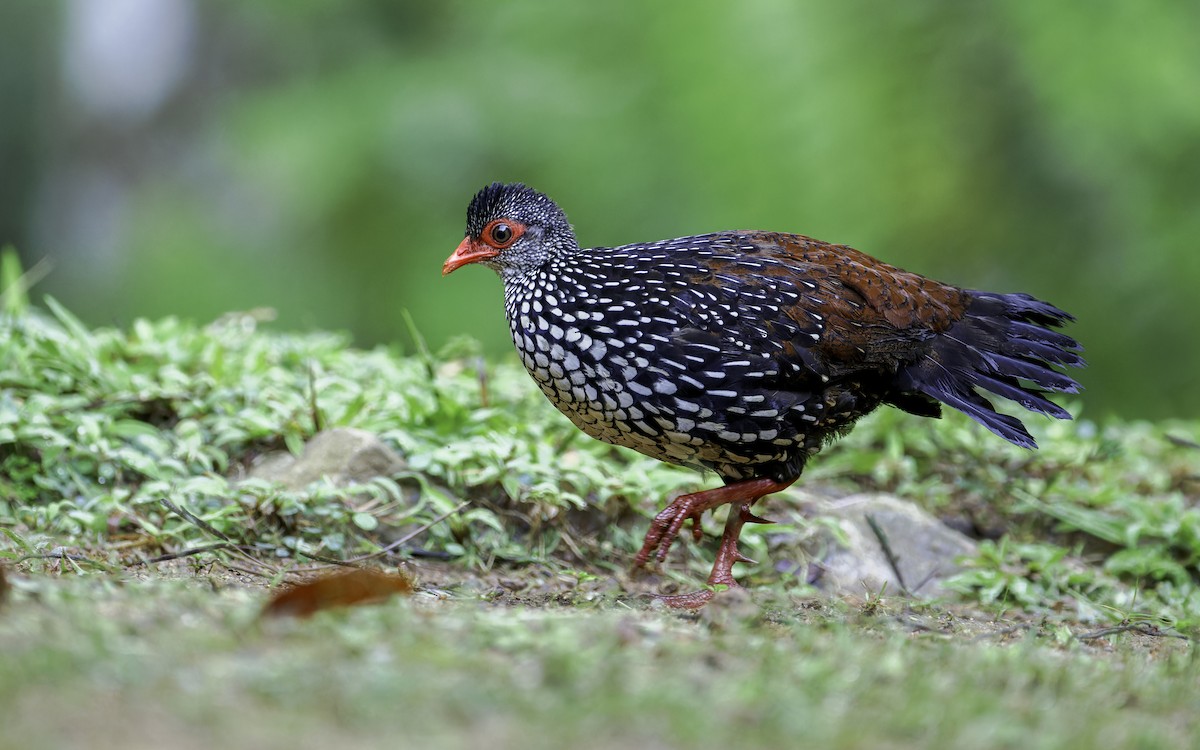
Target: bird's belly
x=658 y=438
x=609 y=410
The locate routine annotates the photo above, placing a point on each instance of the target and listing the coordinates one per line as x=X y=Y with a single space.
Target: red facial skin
x=488 y=244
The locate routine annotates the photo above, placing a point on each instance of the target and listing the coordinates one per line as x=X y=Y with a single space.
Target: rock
x=343 y=455
x=924 y=549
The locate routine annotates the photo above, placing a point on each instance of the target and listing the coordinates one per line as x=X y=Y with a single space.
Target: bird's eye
x=502 y=234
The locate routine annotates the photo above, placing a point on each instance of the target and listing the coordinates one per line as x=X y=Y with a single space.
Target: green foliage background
x=322 y=156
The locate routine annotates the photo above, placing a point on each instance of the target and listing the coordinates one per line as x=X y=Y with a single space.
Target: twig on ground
x=322 y=558
x=184 y=553
x=1143 y=628
x=247 y=571
x=206 y=526
x=190 y=517
x=1001 y=633
x=566 y=538
x=70 y=556
x=67 y=557
x=229 y=544
x=411 y=535
x=928 y=577
x=887 y=552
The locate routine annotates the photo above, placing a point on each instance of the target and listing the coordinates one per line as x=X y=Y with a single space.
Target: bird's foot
x=667 y=525
x=669 y=522
x=728 y=554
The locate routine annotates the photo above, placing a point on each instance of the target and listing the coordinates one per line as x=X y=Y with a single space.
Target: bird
x=744 y=353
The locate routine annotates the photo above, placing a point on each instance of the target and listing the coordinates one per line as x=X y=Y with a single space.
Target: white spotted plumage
x=652 y=398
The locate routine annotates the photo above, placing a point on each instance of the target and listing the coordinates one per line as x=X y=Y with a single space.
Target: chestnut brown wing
x=840 y=310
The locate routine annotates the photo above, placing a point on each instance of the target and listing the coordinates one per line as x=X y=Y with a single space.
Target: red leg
x=669 y=522
x=728 y=553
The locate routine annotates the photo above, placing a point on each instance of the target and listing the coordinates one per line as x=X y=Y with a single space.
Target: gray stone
x=853 y=562
x=343 y=455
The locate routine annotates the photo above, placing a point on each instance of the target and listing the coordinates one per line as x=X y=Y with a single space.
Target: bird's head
x=513 y=229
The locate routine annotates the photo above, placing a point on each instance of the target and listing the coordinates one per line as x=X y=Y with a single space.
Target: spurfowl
x=746 y=352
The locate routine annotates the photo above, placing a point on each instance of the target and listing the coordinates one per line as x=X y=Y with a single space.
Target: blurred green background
x=191 y=157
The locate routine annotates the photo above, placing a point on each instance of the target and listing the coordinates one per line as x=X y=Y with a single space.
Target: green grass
x=120 y=446
x=168 y=663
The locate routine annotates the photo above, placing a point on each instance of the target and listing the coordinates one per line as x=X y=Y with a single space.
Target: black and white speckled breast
x=636 y=353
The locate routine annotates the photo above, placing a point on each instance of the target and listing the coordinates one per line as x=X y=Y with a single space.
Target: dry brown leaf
x=4 y=588
x=352 y=588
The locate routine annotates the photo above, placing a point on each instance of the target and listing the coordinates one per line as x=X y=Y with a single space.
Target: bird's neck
x=536 y=292
x=528 y=283
x=536 y=280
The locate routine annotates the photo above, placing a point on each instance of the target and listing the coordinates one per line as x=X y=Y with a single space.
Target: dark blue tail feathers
x=1004 y=345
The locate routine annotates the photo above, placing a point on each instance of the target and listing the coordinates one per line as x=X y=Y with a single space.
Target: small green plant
x=103 y=432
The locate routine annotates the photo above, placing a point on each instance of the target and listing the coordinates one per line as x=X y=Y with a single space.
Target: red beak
x=468 y=252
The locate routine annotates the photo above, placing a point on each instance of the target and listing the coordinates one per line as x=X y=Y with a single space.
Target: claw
x=749 y=517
